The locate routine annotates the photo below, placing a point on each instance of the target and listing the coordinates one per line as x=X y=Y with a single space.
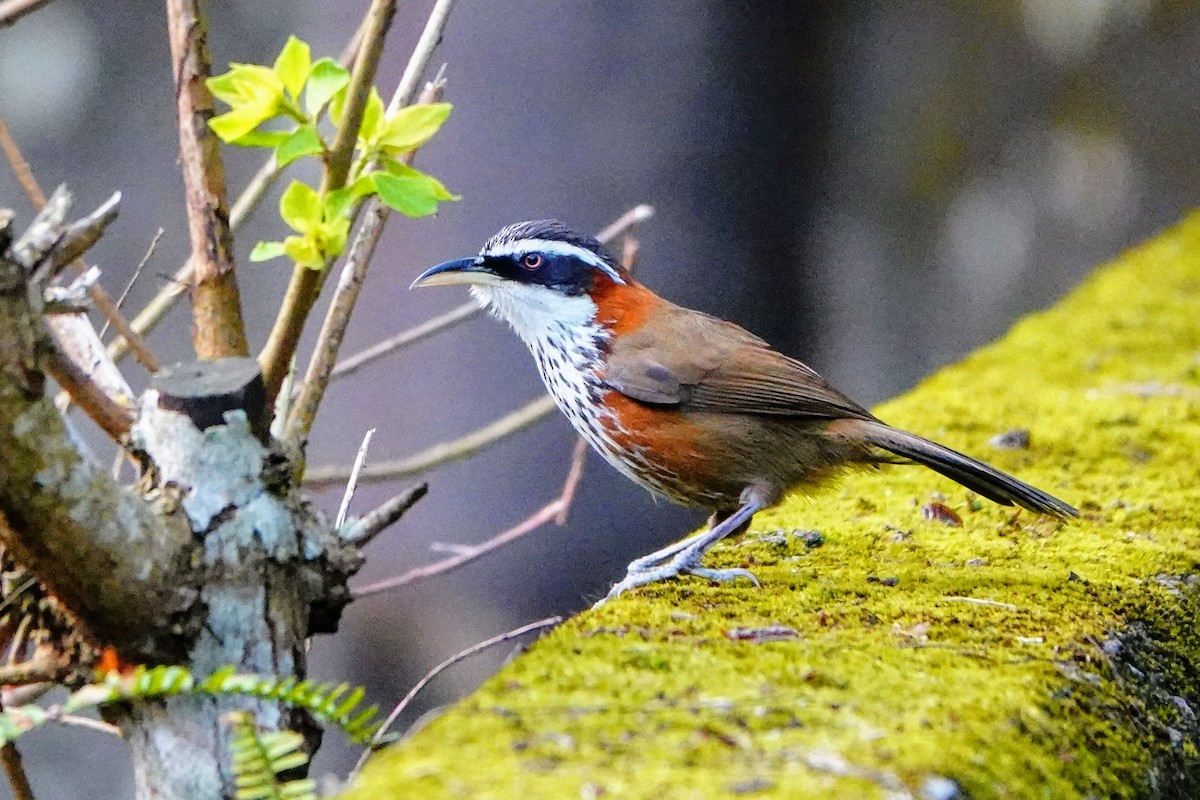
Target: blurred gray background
x=877 y=187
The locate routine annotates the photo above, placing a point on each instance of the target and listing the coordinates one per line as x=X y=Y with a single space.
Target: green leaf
x=413 y=126
x=303 y=250
x=262 y=139
x=254 y=94
x=372 y=119
x=265 y=251
x=325 y=79
x=300 y=207
x=234 y=125
x=293 y=64
x=394 y=167
x=412 y=196
x=341 y=202
x=304 y=141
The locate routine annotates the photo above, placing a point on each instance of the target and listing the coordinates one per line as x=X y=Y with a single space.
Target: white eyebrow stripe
x=551 y=246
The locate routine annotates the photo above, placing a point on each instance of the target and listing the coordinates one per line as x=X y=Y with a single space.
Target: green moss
x=1067 y=682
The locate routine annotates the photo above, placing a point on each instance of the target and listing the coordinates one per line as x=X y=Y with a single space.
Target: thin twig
x=337 y=319
x=352 y=483
x=554 y=511
x=306 y=283
x=21 y=168
x=13 y=10
x=44 y=666
x=441 y=453
x=431 y=36
x=89 y=723
x=217 y=327
x=99 y=297
x=474 y=649
x=417 y=333
x=361 y=532
x=137 y=273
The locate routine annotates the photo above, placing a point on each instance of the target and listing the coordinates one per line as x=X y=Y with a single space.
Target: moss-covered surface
x=1077 y=677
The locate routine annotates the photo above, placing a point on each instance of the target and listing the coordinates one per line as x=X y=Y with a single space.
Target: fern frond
x=260 y=758
x=336 y=705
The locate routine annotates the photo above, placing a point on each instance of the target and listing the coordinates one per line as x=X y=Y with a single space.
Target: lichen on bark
x=1012 y=657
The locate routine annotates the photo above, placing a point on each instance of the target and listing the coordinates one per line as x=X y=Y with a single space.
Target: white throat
x=563 y=336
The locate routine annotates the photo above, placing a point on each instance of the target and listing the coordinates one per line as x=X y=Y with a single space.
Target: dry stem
x=441 y=453
x=474 y=649
x=217 y=329
x=554 y=511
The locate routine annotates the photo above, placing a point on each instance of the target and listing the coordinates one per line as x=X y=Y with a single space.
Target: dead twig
x=474 y=649
x=417 y=333
x=362 y=531
x=99 y=297
x=306 y=283
x=113 y=418
x=441 y=453
x=137 y=273
x=554 y=511
x=14 y=771
x=13 y=10
x=352 y=483
x=20 y=166
x=217 y=330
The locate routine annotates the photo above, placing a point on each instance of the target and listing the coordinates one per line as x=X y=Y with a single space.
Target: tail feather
x=975 y=475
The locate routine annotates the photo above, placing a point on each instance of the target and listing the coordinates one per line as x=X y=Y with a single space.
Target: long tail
x=975 y=475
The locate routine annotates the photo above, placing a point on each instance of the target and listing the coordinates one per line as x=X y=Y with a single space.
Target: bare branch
x=114 y=418
x=14 y=769
x=337 y=319
x=441 y=453
x=99 y=297
x=307 y=282
x=20 y=166
x=554 y=511
x=348 y=366
x=78 y=237
x=45 y=666
x=13 y=10
x=431 y=36
x=362 y=531
x=474 y=649
x=217 y=329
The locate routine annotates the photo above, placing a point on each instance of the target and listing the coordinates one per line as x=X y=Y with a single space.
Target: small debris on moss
x=768 y=633
x=1015 y=439
x=940 y=512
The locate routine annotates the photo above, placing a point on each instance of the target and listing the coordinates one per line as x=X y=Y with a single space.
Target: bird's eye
x=531 y=260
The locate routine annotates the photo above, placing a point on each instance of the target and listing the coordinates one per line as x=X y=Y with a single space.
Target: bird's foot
x=640 y=574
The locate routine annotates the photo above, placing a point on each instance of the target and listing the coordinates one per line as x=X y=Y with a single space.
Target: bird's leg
x=684 y=557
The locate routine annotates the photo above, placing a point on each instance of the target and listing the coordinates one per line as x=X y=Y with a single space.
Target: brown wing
x=700 y=363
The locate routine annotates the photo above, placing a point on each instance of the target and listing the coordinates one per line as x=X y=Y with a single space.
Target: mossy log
x=1010 y=657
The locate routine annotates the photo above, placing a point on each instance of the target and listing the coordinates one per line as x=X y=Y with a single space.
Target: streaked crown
x=548 y=253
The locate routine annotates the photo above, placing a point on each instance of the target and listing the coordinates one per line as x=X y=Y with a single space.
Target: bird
x=688 y=405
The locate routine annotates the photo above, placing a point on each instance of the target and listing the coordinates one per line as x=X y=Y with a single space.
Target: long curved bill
x=460 y=270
